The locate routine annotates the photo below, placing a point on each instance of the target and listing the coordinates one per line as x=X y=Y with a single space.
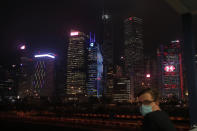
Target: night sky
x=44 y=25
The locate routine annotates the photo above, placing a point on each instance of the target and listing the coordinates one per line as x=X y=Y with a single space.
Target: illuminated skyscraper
x=76 y=65
x=92 y=68
x=133 y=51
x=99 y=72
x=95 y=69
x=43 y=81
x=171 y=70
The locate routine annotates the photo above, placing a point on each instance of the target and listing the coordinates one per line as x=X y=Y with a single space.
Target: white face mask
x=145 y=109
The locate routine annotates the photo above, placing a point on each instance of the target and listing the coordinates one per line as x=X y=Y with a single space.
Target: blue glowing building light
x=92 y=38
x=92 y=44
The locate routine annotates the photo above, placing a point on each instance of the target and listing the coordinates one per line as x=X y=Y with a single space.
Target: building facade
x=133 y=52
x=76 y=65
x=7 y=84
x=26 y=77
x=122 y=88
x=107 y=49
x=95 y=69
x=44 y=73
x=107 y=44
x=171 y=70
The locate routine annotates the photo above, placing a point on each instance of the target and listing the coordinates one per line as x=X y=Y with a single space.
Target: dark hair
x=154 y=93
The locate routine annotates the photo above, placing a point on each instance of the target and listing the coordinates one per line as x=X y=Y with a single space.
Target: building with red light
x=150 y=74
x=133 y=52
x=171 y=70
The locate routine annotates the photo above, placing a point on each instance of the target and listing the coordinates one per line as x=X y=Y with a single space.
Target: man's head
x=149 y=100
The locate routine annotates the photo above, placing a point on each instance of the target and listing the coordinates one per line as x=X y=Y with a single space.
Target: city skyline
x=98 y=64
x=121 y=48
x=49 y=26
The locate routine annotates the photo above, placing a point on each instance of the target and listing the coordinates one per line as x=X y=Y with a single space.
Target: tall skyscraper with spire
x=95 y=68
x=107 y=49
x=107 y=44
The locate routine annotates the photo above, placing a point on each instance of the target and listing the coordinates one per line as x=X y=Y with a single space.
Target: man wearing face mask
x=154 y=118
